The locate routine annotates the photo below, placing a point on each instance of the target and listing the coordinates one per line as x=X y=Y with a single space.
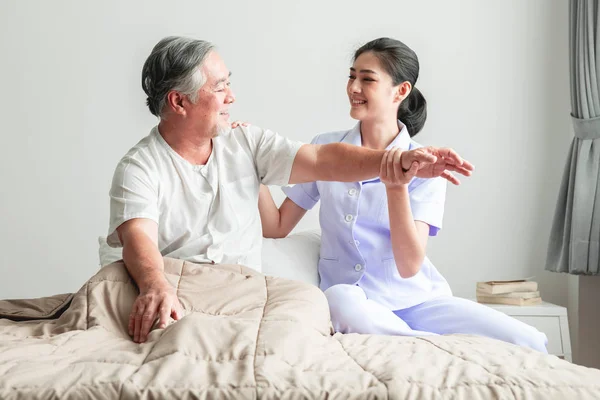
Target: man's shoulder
x=245 y=132
x=144 y=153
x=241 y=138
x=251 y=137
x=145 y=144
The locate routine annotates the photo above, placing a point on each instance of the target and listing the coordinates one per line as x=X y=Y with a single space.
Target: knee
x=341 y=299
x=536 y=340
x=529 y=337
x=338 y=296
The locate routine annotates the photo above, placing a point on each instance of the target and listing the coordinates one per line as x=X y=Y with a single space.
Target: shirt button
x=356 y=242
x=349 y=218
x=358 y=267
x=352 y=192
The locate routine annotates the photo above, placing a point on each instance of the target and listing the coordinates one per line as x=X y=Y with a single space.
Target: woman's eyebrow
x=364 y=71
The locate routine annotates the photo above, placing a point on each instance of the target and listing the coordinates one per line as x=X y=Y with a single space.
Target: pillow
x=295 y=257
x=107 y=254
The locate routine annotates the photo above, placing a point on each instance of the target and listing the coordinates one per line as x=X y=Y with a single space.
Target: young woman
x=372 y=265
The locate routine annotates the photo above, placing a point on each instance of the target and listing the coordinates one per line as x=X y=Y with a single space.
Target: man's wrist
x=155 y=284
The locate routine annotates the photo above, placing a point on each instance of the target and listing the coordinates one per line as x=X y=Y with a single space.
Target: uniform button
x=349 y=218
x=356 y=242
x=358 y=267
x=352 y=192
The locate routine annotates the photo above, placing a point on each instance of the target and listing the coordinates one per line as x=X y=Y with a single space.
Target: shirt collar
x=401 y=140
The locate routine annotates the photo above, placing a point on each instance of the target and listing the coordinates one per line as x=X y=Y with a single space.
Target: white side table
x=548 y=318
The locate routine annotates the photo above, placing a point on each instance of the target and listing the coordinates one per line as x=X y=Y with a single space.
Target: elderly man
x=189 y=189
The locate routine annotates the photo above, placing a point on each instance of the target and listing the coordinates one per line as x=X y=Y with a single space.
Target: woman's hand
x=235 y=124
x=392 y=173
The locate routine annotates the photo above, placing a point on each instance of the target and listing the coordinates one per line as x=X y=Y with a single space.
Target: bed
x=252 y=335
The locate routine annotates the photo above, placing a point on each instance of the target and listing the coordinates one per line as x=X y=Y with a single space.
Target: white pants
x=352 y=312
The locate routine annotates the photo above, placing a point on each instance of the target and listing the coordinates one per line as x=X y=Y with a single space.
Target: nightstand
x=548 y=318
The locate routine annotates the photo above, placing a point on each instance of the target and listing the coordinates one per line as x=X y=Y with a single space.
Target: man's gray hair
x=174 y=64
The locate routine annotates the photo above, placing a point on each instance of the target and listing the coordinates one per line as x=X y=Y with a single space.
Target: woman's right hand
x=392 y=174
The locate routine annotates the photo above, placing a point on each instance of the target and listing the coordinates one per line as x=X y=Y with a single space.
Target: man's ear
x=175 y=102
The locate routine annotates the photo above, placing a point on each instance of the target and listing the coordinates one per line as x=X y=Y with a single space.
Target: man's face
x=211 y=109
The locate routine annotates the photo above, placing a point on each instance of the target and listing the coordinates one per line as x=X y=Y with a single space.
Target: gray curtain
x=575 y=236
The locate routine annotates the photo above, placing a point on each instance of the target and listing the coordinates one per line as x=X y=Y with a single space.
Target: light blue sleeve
x=306 y=195
x=427 y=198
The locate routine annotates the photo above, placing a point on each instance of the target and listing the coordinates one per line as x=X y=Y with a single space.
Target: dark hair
x=402 y=64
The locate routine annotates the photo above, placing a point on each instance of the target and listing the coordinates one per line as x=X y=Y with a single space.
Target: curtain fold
x=574 y=245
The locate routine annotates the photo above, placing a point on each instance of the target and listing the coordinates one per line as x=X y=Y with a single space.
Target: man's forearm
x=347 y=163
x=144 y=263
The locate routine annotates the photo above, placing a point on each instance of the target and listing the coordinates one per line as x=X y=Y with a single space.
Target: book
x=515 y=301
x=498 y=287
x=519 y=295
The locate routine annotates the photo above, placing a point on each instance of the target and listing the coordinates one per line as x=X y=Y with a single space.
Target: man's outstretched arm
x=340 y=162
x=344 y=162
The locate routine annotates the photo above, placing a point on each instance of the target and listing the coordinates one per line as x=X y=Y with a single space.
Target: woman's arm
x=277 y=222
x=409 y=237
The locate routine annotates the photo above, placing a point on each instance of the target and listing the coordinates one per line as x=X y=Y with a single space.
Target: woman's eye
x=351 y=77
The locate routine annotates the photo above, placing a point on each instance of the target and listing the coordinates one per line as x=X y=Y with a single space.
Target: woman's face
x=371 y=91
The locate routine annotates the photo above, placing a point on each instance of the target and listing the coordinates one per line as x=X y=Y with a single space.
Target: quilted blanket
x=248 y=336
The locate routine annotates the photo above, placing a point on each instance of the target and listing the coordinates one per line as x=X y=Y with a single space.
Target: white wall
x=495 y=74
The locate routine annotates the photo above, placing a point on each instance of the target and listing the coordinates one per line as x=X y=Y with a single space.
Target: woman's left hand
x=235 y=124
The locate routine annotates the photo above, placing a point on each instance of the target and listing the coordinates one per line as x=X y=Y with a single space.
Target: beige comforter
x=248 y=336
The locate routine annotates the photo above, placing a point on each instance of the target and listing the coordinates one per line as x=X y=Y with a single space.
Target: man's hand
x=438 y=162
x=159 y=301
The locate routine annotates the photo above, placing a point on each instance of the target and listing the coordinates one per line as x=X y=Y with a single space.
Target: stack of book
x=518 y=293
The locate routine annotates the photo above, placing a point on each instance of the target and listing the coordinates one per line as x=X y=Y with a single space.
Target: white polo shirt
x=205 y=213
